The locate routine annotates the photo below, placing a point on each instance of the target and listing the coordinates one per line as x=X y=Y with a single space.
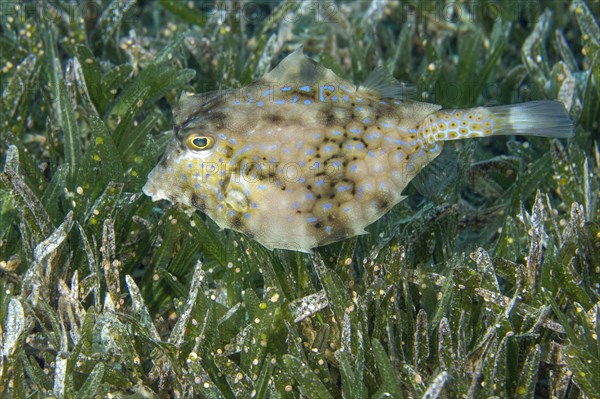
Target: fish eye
x=198 y=142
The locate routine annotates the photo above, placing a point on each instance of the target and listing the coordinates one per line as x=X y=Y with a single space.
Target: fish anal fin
x=434 y=177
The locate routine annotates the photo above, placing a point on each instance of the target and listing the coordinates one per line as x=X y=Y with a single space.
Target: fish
x=302 y=158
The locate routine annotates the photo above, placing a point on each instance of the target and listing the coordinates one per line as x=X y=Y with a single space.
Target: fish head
x=192 y=170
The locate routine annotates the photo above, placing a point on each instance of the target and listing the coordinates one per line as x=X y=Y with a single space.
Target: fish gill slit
x=197 y=202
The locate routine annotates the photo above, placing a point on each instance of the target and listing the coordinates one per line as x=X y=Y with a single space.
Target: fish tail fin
x=534 y=118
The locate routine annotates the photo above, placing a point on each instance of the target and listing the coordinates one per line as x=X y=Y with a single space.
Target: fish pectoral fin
x=236 y=200
x=380 y=83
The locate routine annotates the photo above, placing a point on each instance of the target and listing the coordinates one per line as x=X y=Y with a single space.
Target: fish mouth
x=152 y=188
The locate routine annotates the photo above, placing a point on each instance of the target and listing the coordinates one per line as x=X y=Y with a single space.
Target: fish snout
x=152 y=188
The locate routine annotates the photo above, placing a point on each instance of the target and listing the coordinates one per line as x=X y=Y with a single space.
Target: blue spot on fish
x=307 y=102
x=296 y=205
x=260 y=103
x=327 y=205
x=312 y=219
x=366 y=120
x=328 y=229
x=343 y=188
x=354 y=167
x=295 y=99
x=267 y=93
x=280 y=102
x=286 y=88
x=354 y=130
x=247 y=216
x=222 y=136
x=322 y=91
x=305 y=88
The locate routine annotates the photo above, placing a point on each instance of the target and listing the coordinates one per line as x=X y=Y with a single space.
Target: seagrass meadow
x=488 y=287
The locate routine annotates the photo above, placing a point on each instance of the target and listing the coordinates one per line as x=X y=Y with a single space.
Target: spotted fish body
x=302 y=158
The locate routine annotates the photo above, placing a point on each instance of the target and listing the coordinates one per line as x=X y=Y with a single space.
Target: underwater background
x=489 y=287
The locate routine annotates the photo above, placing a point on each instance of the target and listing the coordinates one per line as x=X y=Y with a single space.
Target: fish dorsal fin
x=380 y=83
x=434 y=177
x=298 y=70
